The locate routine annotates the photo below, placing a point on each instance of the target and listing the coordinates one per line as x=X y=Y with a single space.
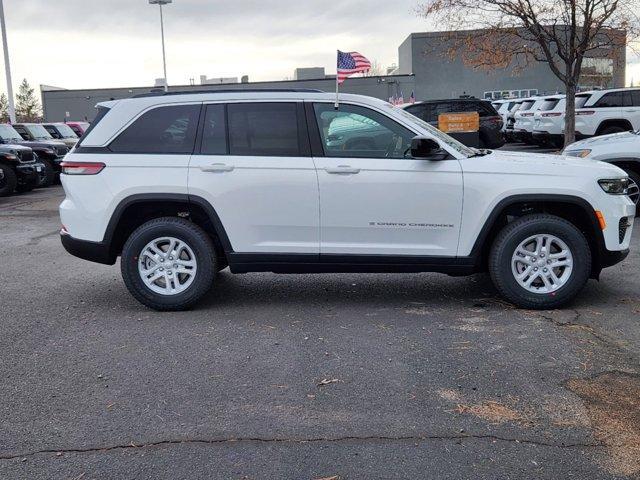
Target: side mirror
x=427 y=148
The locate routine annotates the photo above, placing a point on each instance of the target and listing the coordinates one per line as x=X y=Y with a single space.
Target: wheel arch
x=573 y=209
x=135 y=210
x=614 y=122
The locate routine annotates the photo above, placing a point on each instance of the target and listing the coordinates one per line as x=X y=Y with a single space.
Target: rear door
x=254 y=166
x=374 y=198
x=632 y=112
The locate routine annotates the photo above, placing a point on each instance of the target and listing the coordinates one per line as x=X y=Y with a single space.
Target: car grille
x=26 y=157
x=623 y=228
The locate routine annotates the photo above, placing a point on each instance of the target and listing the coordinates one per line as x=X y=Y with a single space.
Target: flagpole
x=337 y=84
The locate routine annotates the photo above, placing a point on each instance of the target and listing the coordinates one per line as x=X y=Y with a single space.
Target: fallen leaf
x=326 y=381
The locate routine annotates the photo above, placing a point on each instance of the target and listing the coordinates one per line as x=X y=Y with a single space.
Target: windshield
x=8 y=134
x=65 y=131
x=443 y=137
x=38 y=132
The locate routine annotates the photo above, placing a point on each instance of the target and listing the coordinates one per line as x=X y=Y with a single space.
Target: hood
x=537 y=164
x=604 y=140
x=11 y=148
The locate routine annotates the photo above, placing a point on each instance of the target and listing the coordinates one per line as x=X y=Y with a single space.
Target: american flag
x=350 y=63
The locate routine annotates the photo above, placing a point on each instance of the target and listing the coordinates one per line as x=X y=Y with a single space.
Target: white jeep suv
x=604 y=112
x=183 y=185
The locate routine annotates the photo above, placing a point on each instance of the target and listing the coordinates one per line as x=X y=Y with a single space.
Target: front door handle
x=342 y=170
x=218 y=167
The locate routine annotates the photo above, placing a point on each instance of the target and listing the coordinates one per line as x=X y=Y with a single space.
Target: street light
x=164 y=56
x=7 y=66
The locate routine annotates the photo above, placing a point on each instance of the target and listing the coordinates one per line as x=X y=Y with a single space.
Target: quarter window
x=359 y=132
x=163 y=130
x=264 y=129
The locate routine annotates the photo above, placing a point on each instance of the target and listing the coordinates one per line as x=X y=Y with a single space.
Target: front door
x=374 y=198
x=255 y=168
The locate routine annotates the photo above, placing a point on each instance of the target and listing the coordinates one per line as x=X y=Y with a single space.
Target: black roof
x=229 y=90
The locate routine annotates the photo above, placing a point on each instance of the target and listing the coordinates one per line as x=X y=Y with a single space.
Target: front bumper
x=97 y=252
x=27 y=175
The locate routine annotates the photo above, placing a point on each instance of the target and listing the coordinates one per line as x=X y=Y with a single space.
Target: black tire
x=24 y=188
x=610 y=130
x=635 y=195
x=49 y=175
x=505 y=244
x=9 y=182
x=203 y=249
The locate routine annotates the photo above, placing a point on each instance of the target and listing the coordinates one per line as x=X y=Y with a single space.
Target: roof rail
x=231 y=90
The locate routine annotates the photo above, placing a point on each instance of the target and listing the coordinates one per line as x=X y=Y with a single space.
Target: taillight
x=82 y=168
x=585 y=112
x=552 y=114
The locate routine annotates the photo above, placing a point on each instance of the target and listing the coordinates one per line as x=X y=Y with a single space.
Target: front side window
x=163 y=130
x=264 y=129
x=359 y=132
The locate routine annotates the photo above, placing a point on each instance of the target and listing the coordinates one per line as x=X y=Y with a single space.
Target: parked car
x=603 y=112
x=548 y=126
x=50 y=152
x=18 y=169
x=251 y=179
x=524 y=118
x=62 y=132
x=491 y=124
x=503 y=107
x=511 y=120
x=79 y=128
x=620 y=149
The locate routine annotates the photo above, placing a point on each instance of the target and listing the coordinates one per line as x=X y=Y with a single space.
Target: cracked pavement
x=302 y=377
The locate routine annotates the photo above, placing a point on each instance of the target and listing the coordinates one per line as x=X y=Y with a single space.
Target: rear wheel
x=8 y=180
x=168 y=264
x=540 y=262
x=614 y=129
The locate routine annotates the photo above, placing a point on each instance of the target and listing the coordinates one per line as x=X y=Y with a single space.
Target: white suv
x=183 y=185
x=524 y=119
x=548 y=124
x=604 y=112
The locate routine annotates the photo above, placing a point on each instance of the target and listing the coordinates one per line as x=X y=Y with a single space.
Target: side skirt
x=328 y=263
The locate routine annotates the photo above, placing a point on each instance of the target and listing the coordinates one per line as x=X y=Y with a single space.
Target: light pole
x=7 y=66
x=164 y=55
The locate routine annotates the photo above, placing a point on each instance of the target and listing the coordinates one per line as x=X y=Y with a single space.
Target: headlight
x=578 y=153
x=616 y=186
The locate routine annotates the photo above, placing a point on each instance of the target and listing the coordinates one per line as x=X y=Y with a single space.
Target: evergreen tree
x=27 y=104
x=4 y=108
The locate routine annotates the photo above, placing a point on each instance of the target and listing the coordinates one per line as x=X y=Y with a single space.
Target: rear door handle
x=218 y=167
x=342 y=170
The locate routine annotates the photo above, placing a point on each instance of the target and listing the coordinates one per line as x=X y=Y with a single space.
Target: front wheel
x=48 y=176
x=540 y=262
x=8 y=180
x=168 y=264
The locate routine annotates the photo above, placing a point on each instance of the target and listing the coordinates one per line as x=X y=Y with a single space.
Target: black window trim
x=144 y=112
x=304 y=146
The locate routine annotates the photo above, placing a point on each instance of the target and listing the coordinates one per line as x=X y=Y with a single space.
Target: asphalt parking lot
x=307 y=377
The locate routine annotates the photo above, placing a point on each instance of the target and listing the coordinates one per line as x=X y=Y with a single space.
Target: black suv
x=49 y=152
x=18 y=169
x=490 y=120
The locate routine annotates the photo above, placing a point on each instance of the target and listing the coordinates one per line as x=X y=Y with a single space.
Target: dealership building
x=424 y=67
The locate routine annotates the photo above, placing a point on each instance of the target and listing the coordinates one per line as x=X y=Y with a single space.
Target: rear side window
x=614 y=99
x=421 y=111
x=485 y=109
x=635 y=98
x=263 y=129
x=214 y=133
x=163 y=130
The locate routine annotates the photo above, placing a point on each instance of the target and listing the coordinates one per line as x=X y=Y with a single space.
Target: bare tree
x=562 y=33
x=376 y=70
